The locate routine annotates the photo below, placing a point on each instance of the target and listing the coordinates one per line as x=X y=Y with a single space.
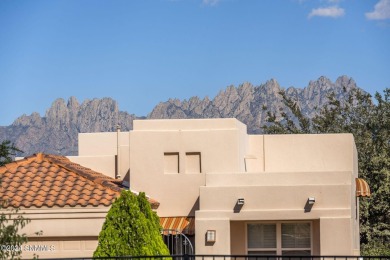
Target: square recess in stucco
x=193 y=162
x=171 y=163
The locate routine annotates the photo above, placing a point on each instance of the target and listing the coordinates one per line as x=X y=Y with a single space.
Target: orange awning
x=362 y=188
x=185 y=225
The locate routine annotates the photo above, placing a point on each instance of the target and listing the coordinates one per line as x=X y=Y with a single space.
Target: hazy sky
x=143 y=52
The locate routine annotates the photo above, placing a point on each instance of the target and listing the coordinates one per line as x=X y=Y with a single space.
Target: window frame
x=279 y=250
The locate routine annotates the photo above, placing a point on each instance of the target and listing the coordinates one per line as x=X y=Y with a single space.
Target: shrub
x=130 y=231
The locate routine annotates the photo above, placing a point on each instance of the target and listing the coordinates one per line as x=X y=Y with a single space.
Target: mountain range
x=56 y=132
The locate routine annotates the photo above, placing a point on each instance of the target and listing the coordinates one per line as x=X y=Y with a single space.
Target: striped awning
x=185 y=225
x=362 y=188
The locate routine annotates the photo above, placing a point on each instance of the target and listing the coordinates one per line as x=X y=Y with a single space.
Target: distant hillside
x=57 y=131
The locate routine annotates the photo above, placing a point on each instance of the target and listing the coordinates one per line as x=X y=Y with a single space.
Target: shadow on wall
x=194 y=208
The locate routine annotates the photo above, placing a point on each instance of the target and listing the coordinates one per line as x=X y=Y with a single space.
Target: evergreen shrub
x=131 y=228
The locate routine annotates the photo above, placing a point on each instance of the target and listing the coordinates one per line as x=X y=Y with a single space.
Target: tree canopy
x=131 y=228
x=7 y=151
x=369 y=122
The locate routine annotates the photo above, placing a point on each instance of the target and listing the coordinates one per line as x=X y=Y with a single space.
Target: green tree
x=10 y=220
x=157 y=244
x=130 y=231
x=7 y=152
x=11 y=241
x=369 y=122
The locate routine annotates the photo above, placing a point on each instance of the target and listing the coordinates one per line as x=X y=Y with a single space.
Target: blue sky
x=143 y=52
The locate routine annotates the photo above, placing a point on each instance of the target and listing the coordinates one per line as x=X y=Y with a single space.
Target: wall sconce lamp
x=239 y=204
x=241 y=201
x=309 y=204
x=211 y=236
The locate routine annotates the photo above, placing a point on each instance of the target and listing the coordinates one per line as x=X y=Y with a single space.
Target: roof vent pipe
x=117 y=174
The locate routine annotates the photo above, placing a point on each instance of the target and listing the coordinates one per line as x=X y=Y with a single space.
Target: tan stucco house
x=247 y=194
x=230 y=192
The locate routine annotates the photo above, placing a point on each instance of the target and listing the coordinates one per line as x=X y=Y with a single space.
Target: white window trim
x=278 y=248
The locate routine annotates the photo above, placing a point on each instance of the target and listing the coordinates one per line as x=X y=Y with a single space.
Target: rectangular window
x=295 y=235
x=261 y=236
x=171 y=163
x=193 y=162
x=290 y=239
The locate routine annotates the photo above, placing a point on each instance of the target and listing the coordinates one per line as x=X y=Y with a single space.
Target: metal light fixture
x=211 y=236
x=241 y=201
x=311 y=200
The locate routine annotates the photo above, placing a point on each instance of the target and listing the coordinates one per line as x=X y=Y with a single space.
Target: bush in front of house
x=131 y=228
x=157 y=244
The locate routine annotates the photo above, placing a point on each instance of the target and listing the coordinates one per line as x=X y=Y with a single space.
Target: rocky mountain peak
x=25 y=120
x=345 y=82
x=57 y=131
x=271 y=87
x=58 y=113
x=73 y=103
x=321 y=83
x=245 y=90
x=246 y=102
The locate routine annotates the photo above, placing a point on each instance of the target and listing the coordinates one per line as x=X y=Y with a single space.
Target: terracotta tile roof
x=44 y=180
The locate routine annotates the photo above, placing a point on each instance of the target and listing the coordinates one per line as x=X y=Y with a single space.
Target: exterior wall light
x=211 y=236
x=311 y=201
x=241 y=201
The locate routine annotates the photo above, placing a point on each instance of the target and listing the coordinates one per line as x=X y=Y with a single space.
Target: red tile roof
x=44 y=180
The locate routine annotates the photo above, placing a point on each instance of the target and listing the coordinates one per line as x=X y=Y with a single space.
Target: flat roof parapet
x=187 y=124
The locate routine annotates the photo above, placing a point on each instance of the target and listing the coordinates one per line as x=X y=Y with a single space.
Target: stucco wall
x=238 y=238
x=267 y=199
x=295 y=167
x=336 y=236
x=104 y=164
x=65 y=232
x=178 y=193
x=283 y=198
x=308 y=153
x=355 y=208
x=222 y=244
x=254 y=158
x=98 y=151
x=60 y=247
